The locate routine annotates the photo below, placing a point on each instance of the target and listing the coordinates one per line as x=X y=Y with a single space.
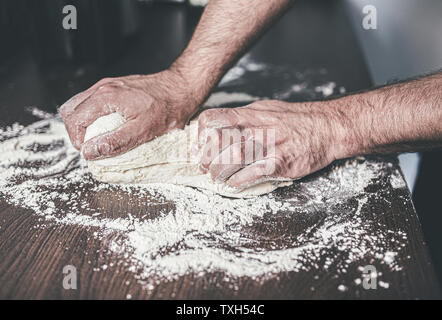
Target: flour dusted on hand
x=166 y=159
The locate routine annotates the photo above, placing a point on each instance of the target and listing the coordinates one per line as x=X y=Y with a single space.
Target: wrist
x=200 y=76
x=178 y=95
x=348 y=127
x=196 y=84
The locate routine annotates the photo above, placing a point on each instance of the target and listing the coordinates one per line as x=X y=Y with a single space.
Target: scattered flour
x=227 y=97
x=326 y=89
x=245 y=64
x=397 y=181
x=197 y=231
x=342 y=288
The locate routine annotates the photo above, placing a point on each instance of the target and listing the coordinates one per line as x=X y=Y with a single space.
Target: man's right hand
x=156 y=104
x=151 y=104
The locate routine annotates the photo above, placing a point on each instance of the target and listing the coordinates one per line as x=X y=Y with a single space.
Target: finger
x=86 y=113
x=229 y=161
x=70 y=106
x=235 y=157
x=211 y=148
x=113 y=143
x=237 y=149
x=253 y=174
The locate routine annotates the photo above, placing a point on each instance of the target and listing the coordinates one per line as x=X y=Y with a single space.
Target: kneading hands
x=152 y=105
x=306 y=136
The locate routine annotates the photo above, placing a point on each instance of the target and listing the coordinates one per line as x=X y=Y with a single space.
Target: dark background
x=41 y=64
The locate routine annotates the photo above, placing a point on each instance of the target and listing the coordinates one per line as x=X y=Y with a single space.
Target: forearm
x=226 y=29
x=398 y=118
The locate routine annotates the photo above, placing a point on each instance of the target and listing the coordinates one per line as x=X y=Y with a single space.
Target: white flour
x=326 y=89
x=200 y=232
x=245 y=64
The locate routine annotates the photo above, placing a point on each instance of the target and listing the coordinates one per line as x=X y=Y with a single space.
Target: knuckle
x=204 y=116
x=262 y=104
x=257 y=104
x=104 y=81
x=108 y=84
x=68 y=107
x=106 y=87
x=216 y=117
x=63 y=111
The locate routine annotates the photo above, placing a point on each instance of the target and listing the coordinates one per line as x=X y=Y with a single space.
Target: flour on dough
x=165 y=159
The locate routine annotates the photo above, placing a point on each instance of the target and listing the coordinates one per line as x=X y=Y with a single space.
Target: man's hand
x=309 y=136
x=288 y=141
x=155 y=104
x=152 y=105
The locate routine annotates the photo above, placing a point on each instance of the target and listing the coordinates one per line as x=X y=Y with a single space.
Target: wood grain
x=32 y=258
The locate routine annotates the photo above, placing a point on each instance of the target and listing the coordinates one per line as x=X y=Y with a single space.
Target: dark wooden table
x=312 y=44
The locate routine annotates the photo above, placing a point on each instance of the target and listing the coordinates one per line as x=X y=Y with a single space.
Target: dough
x=165 y=159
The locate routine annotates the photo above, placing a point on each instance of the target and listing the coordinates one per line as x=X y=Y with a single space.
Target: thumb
x=112 y=143
x=257 y=172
